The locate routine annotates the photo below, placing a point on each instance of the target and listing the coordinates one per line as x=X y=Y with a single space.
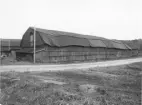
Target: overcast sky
x=114 y=19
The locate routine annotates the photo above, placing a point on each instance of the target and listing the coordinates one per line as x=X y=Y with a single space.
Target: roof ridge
x=69 y=34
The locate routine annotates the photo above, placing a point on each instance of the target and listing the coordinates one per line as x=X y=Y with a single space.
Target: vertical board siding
x=80 y=54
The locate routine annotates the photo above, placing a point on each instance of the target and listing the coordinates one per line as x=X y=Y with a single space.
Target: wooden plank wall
x=140 y=53
x=79 y=54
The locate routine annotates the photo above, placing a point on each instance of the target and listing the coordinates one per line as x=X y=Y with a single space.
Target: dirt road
x=56 y=67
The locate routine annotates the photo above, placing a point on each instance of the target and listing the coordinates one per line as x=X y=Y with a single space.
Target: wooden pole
x=34 y=44
x=0 y=47
x=9 y=44
x=0 y=51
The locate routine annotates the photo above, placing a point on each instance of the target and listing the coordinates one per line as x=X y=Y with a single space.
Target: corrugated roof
x=131 y=44
x=118 y=44
x=121 y=42
x=60 y=39
x=97 y=43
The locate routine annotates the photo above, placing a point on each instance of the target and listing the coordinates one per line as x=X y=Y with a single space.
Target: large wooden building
x=57 y=47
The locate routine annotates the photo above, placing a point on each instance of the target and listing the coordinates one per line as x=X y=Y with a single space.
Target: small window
x=31 y=39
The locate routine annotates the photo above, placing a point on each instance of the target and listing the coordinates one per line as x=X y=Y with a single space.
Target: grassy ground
x=119 y=85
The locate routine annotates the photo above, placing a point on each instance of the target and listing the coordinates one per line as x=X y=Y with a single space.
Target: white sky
x=114 y=19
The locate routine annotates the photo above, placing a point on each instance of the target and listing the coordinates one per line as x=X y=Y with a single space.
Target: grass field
x=117 y=85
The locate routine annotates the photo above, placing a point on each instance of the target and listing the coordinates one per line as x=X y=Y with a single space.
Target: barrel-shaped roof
x=61 y=39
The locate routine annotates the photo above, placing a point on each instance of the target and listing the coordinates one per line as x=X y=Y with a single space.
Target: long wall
x=80 y=54
x=140 y=53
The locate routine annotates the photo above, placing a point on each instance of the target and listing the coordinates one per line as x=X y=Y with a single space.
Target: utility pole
x=34 y=44
x=0 y=51
x=9 y=47
x=9 y=44
x=0 y=47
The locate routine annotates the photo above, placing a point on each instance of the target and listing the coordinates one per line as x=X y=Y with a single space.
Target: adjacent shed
x=8 y=46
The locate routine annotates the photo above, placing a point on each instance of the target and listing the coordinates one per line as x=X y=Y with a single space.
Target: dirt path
x=68 y=66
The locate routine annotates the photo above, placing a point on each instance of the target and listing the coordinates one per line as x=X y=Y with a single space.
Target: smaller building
x=9 y=46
